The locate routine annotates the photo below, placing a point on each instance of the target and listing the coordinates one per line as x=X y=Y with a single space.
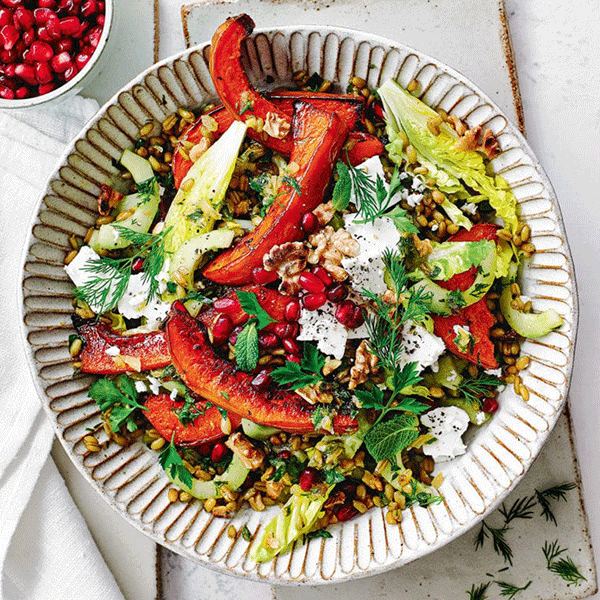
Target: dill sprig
x=479 y=592
x=510 y=590
x=557 y=492
x=499 y=542
x=563 y=566
x=111 y=275
x=146 y=190
x=521 y=508
x=473 y=388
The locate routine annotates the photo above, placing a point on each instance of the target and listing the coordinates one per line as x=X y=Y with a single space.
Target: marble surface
x=557 y=49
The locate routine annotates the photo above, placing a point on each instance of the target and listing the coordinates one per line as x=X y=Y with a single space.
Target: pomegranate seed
x=9 y=70
x=262 y=381
x=26 y=73
x=337 y=292
x=348 y=487
x=227 y=306
x=347 y=512
x=6 y=17
x=61 y=62
x=89 y=8
x=323 y=275
x=6 y=92
x=23 y=18
x=42 y=34
x=180 y=306
x=82 y=59
x=262 y=277
x=12 y=3
x=293 y=358
x=53 y=29
x=221 y=329
x=218 y=452
x=309 y=478
x=28 y=36
x=8 y=56
x=268 y=340
x=79 y=34
x=71 y=72
x=10 y=83
x=291 y=346
x=22 y=92
x=286 y=330
x=100 y=20
x=47 y=3
x=40 y=52
x=309 y=222
x=43 y=15
x=67 y=7
x=9 y=36
x=69 y=25
x=44 y=75
x=65 y=45
x=348 y=313
x=489 y=405
x=292 y=311
x=311 y=283
x=46 y=88
x=137 y=265
x=285 y=454
x=101 y=5
x=94 y=35
x=233 y=337
x=314 y=301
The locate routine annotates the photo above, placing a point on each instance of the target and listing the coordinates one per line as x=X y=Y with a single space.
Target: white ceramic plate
x=132 y=481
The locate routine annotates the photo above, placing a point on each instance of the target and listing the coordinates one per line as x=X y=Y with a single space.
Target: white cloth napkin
x=46 y=550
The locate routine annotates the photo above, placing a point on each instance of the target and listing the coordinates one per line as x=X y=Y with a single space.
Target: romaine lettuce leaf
x=455 y=169
x=456 y=215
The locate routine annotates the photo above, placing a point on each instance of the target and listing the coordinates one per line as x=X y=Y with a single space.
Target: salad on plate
x=303 y=298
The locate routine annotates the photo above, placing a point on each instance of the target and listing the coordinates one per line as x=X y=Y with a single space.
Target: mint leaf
x=172 y=463
x=250 y=304
x=246 y=347
x=343 y=187
x=385 y=439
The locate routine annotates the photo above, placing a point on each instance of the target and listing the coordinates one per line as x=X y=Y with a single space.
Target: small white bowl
x=82 y=79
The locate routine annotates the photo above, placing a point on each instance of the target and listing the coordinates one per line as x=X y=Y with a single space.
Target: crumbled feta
x=154 y=384
x=321 y=326
x=463 y=338
x=76 y=270
x=367 y=269
x=173 y=393
x=141 y=386
x=447 y=424
x=469 y=207
x=412 y=199
x=420 y=346
x=134 y=303
x=113 y=351
x=480 y=417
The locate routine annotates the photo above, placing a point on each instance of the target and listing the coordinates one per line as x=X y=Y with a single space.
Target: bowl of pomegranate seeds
x=48 y=48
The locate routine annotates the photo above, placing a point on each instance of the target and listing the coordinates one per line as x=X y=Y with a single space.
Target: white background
x=557 y=48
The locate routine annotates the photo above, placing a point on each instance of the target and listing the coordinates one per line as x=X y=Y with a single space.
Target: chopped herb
x=250 y=304
x=343 y=187
x=292 y=466
x=318 y=533
x=332 y=476
x=172 y=463
x=246 y=347
x=147 y=189
x=198 y=297
x=293 y=183
x=474 y=388
x=120 y=397
x=455 y=301
x=247 y=106
x=189 y=412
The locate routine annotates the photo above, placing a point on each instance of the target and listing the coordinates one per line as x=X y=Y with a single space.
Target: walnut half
x=252 y=458
x=330 y=247
x=365 y=364
x=289 y=260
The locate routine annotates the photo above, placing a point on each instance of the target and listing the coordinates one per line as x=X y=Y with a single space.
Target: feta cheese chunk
x=77 y=271
x=420 y=346
x=447 y=424
x=367 y=269
x=321 y=326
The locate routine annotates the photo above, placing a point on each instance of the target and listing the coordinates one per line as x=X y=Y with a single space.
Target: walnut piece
x=274 y=489
x=423 y=247
x=472 y=139
x=330 y=247
x=289 y=260
x=324 y=213
x=252 y=458
x=276 y=126
x=199 y=149
x=365 y=364
x=315 y=393
x=108 y=199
